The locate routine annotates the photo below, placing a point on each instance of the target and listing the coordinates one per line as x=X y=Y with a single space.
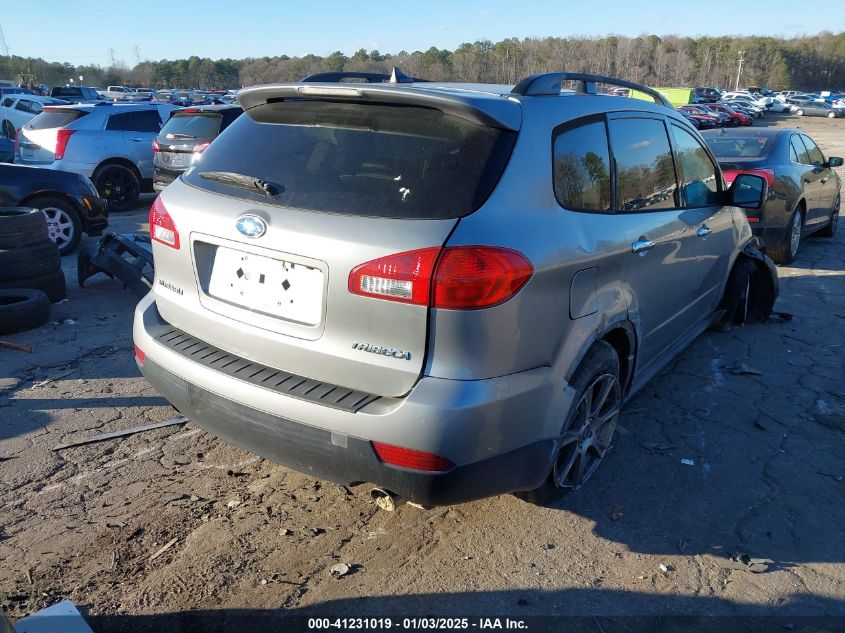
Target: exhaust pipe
x=384 y=499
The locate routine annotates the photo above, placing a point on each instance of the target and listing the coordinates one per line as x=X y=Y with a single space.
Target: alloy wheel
x=59 y=225
x=588 y=435
x=795 y=235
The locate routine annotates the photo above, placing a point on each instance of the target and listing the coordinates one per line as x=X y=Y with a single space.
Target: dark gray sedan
x=804 y=193
x=815 y=108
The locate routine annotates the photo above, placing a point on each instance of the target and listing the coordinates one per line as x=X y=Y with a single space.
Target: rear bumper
x=500 y=433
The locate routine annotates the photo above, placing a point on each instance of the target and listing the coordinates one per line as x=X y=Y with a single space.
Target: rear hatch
x=335 y=185
x=44 y=138
x=184 y=133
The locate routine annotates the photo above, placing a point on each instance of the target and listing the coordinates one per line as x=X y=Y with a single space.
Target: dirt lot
x=650 y=535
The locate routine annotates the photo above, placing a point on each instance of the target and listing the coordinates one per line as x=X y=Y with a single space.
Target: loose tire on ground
x=52 y=284
x=34 y=260
x=23 y=309
x=21 y=226
x=601 y=363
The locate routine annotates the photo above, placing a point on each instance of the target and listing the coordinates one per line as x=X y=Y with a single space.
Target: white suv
x=109 y=143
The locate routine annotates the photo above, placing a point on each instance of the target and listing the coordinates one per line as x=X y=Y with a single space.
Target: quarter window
x=581 y=167
x=700 y=184
x=645 y=170
x=800 y=150
x=815 y=154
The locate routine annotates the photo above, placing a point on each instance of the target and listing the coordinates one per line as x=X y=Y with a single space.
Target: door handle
x=642 y=246
x=136 y=139
x=704 y=230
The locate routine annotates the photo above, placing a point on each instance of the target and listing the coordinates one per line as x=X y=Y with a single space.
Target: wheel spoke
x=606 y=387
x=607 y=417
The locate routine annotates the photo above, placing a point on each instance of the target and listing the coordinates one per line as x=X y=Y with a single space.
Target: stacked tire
x=30 y=270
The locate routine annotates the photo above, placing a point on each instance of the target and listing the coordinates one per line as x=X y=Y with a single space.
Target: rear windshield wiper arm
x=180 y=135
x=243 y=181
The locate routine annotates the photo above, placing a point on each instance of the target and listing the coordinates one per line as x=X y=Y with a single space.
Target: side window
x=645 y=171
x=581 y=166
x=35 y=107
x=816 y=156
x=793 y=153
x=116 y=121
x=23 y=105
x=142 y=121
x=799 y=149
x=700 y=184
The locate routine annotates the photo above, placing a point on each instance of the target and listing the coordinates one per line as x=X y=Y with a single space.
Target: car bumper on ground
x=500 y=433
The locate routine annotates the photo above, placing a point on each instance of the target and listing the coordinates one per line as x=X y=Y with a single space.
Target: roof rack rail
x=396 y=76
x=550 y=83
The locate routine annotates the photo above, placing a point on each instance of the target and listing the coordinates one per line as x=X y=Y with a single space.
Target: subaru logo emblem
x=251 y=225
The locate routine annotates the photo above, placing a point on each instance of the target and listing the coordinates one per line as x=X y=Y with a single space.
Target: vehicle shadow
x=582 y=610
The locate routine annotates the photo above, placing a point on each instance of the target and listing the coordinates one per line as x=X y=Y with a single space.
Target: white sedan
x=17 y=109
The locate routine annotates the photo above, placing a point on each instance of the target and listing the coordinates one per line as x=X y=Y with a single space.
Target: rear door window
x=141 y=121
x=357 y=159
x=23 y=105
x=581 y=166
x=645 y=170
x=699 y=175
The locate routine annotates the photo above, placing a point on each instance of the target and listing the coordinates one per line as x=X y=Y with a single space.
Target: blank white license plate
x=273 y=286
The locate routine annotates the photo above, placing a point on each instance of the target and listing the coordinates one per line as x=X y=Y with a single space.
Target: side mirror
x=748 y=191
x=834 y=161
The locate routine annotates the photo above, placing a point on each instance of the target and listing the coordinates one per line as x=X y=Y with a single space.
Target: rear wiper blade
x=243 y=181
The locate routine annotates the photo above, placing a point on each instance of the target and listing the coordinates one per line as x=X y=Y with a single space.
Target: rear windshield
x=739 y=146
x=54 y=118
x=356 y=159
x=66 y=92
x=192 y=125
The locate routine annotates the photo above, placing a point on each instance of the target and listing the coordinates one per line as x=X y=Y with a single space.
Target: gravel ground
x=174 y=530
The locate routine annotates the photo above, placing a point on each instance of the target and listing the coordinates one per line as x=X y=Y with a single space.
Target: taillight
x=156 y=148
x=162 y=228
x=201 y=147
x=410 y=458
x=452 y=278
x=768 y=174
x=140 y=357
x=62 y=137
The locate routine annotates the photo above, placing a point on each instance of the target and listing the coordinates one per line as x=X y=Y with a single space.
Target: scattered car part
x=23 y=309
x=384 y=499
x=20 y=347
x=127 y=257
x=751 y=290
x=108 y=436
x=63 y=616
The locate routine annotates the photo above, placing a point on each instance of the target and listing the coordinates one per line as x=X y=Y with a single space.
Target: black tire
x=21 y=226
x=8 y=129
x=119 y=185
x=601 y=361
x=22 y=309
x=64 y=226
x=34 y=260
x=830 y=228
x=51 y=284
x=787 y=250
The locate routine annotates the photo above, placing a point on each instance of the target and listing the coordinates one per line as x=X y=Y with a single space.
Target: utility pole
x=4 y=48
x=739 y=72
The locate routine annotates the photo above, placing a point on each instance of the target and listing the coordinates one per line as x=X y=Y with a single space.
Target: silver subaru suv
x=447 y=291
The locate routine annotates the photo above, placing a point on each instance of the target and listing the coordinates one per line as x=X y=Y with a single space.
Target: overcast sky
x=83 y=31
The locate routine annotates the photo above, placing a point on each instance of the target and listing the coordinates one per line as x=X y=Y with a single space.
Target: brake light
x=156 y=148
x=201 y=147
x=162 y=228
x=452 y=278
x=62 y=137
x=140 y=357
x=410 y=458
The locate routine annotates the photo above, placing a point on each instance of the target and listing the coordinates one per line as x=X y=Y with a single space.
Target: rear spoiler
x=476 y=107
